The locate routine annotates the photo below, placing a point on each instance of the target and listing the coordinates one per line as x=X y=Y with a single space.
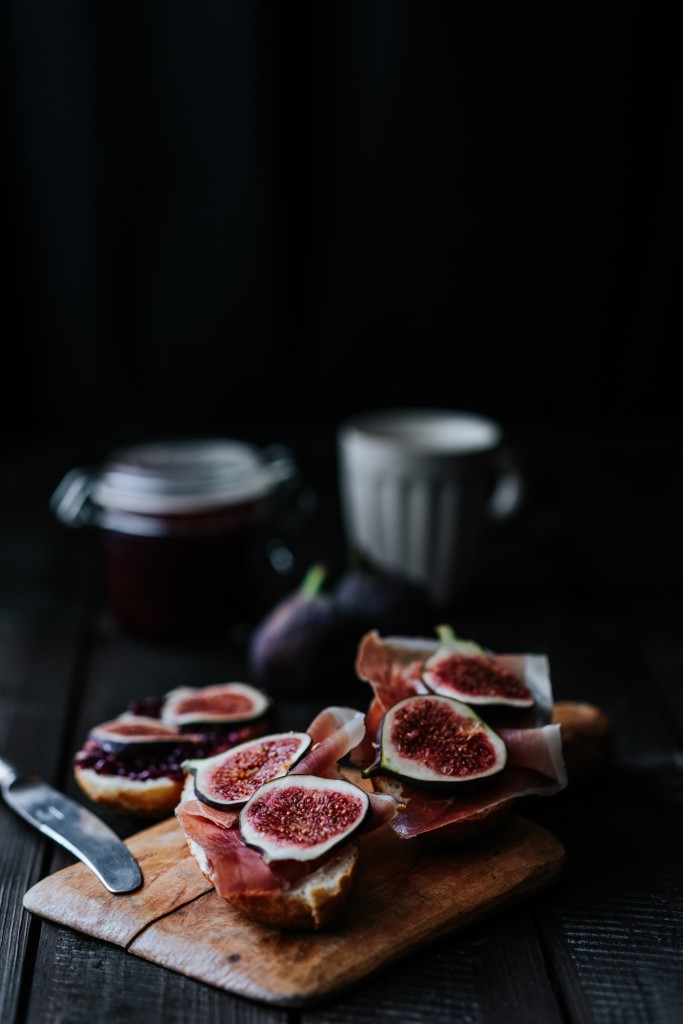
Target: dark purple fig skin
x=303 y=646
x=307 y=644
x=384 y=600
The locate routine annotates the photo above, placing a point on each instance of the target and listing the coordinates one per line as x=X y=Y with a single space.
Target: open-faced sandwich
x=133 y=763
x=456 y=734
x=275 y=826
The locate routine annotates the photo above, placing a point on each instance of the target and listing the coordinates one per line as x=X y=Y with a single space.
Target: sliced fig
x=437 y=742
x=302 y=817
x=230 y=778
x=221 y=704
x=136 y=733
x=463 y=670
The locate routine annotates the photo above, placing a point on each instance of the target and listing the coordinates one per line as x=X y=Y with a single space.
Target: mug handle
x=508 y=491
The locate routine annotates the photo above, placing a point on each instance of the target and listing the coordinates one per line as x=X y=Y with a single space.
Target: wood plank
x=81 y=980
x=408 y=896
x=613 y=926
x=41 y=583
x=170 y=881
x=37 y=658
x=630 y=882
x=492 y=971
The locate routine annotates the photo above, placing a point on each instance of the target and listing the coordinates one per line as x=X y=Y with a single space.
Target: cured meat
x=223 y=817
x=535 y=765
x=393 y=668
x=383 y=810
x=236 y=868
x=232 y=866
x=335 y=731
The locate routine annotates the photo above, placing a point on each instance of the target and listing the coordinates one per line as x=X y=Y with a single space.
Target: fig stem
x=450 y=639
x=313 y=580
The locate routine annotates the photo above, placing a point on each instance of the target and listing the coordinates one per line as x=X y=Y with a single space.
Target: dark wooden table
x=589 y=573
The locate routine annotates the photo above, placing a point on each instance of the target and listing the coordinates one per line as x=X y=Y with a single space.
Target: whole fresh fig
x=306 y=644
x=384 y=600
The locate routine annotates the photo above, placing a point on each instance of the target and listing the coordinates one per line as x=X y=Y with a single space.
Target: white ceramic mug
x=418 y=488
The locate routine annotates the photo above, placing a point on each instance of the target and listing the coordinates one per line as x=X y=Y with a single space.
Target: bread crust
x=588 y=741
x=316 y=901
x=149 y=797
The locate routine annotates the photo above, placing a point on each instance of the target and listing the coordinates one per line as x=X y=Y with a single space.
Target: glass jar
x=184 y=526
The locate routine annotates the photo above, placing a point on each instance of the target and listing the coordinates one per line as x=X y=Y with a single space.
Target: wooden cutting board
x=408 y=895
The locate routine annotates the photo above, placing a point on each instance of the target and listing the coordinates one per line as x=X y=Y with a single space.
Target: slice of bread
x=311 y=904
x=151 y=797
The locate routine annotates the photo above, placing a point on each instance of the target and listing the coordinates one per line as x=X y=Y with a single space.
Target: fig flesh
x=136 y=733
x=302 y=817
x=461 y=669
x=222 y=704
x=382 y=599
x=231 y=778
x=438 y=743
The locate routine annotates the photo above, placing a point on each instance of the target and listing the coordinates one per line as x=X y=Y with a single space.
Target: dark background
x=252 y=219
x=255 y=218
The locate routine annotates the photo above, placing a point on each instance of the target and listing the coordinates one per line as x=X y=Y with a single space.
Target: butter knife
x=74 y=827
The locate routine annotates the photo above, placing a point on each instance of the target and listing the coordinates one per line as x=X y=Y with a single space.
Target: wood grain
x=573 y=579
x=172 y=903
x=36 y=662
x=408 y=896
x=75 y=897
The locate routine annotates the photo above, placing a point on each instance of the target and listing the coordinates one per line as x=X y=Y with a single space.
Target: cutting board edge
x=546 y=876
x=543 y=876
x=84 y=928
x=345 y=987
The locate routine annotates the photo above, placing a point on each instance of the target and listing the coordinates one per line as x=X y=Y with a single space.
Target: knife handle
x=7 y=771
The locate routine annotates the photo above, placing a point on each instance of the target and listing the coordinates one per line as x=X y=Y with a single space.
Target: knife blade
x=74 y=827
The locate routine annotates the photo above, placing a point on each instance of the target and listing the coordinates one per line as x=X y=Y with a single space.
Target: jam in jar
x=184 y=526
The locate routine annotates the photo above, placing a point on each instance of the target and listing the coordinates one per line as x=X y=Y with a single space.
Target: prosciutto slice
x=335 y=731
x=393 y=668
x=232 y=866
x=235 y=867
x=535 y=765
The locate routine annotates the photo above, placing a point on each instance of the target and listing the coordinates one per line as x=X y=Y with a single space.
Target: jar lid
x=170 y=477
